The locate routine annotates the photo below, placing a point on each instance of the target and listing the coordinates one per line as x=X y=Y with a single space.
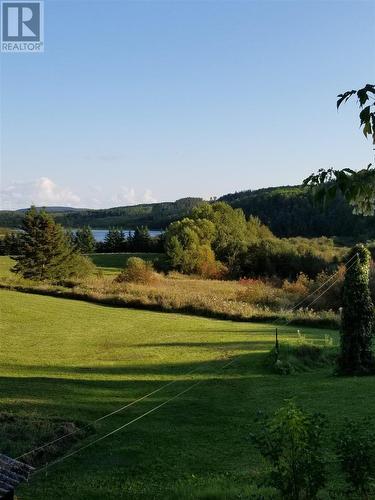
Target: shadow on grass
x=202 y=367
x=43 y=383
x=91 y=399
x=240 y=345
x=202 y=430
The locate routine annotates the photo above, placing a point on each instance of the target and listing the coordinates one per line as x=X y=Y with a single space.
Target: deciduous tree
x=357 y=187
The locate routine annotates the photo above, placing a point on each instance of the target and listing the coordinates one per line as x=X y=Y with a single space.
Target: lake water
x=100 y=234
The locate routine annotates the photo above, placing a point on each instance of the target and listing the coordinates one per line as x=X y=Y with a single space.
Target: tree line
x=140 y=240
x=219 y=241
x=288 y=211
x=216 y=241
x=83 y=240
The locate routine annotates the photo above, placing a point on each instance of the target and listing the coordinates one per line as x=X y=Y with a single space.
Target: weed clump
x=291 y=442
x=137 y=270
x=355 y=448
x=288 y=358
x=36 y=431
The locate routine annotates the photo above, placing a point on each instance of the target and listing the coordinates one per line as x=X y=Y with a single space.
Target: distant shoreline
x=100 y=234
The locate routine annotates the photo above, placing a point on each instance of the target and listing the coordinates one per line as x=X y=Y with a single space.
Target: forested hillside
x=153 y=215
x=288 y=211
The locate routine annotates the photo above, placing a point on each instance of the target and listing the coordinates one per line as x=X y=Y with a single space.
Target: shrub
x=161 y=264
x=356 y=452
x=291 y=441
x=81 y=266
x=260 y=293
x=329 y=283
x=207 y=266
x=356 y=356
x=16 y=429
x=280 y=257
x=298 y=288
x=332 y=296
x=300 y=357
x=137 y=270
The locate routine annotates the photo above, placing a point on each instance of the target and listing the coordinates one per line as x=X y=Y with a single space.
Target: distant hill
x=153 y=215
x=54 y=210
x=287 y=210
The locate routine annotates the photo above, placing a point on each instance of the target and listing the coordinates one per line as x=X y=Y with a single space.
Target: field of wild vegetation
x=244 y=299
x=264 y=299
x=67 y=363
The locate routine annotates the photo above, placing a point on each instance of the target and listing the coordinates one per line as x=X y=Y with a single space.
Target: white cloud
x=125 y=196
x=129 y=196
x=41 y=192
x=148 y=197
x=45 y=192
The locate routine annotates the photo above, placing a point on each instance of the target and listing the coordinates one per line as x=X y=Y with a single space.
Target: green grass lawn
x=112 y=263
x=78 y=361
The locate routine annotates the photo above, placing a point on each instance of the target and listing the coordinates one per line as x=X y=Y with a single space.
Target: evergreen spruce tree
x=114 y=240
x=11 y=243
x=356 y=356
x=141 y=240
x=45 y=252
x=84 y=240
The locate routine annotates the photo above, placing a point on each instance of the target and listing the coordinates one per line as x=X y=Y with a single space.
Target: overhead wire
x=121 y=427
x=118 y=429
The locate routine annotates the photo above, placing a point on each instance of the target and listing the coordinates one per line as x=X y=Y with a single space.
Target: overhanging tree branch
x=357 y=187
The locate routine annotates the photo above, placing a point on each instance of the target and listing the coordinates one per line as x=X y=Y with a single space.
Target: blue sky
x=142 y=101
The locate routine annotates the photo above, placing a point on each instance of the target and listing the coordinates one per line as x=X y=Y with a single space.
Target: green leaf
x=344 y=97
x=367 y=130
x=364 y=115
x=362 y=96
